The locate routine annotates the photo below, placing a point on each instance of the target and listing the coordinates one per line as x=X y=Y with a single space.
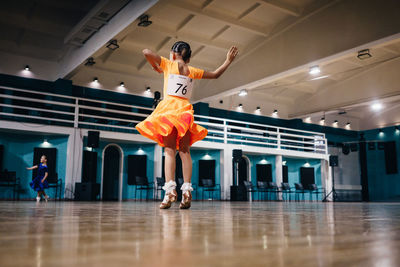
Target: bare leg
x=184 y=153
x=170 y=165
x=170 y=152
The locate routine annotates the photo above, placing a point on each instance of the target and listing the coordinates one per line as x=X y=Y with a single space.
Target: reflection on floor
x=209 y=234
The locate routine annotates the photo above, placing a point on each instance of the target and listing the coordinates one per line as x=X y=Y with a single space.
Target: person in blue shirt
x=39 y=183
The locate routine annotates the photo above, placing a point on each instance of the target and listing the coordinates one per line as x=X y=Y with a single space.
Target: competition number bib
x=179 y=85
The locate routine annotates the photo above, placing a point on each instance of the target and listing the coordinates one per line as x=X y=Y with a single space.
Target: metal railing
x=61 y=110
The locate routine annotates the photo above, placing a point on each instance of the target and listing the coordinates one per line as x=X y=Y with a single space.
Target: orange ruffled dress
x=172 y=111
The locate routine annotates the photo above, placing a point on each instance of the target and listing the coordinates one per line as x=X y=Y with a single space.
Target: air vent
x=104 y=15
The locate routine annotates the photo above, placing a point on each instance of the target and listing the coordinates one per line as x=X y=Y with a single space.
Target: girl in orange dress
x=171 y=123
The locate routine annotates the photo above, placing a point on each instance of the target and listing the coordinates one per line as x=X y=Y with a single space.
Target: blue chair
x=314 y=189
x=286 y=190
x=142 y=184
x=299 y=189
x=210 y=187
x=262 y=187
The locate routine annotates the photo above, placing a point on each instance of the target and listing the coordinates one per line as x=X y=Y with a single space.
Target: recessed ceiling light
x=258 y=109
x=335 y=122
x=314 y=70
x=243 y=92
x=275 y=112
x=122 y=84
x=27 y=68
x=148 y=89
x=240 y=106
x=376 y=106
x=95 y=79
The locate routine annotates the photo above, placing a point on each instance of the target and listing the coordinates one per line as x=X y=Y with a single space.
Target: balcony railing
x=61 y=110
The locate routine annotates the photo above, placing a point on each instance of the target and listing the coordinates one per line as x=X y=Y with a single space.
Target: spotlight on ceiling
x=113 y=44
x=258 y=109
x=364 y=54
x=335 y=122
x=122 y=84
x=27 y=68
x=90 y=62
x=243 y=92
x=322 y=121
x=144 y=21
x=376 y=106
x=275 y=112
x=240 y=106
x=314 y=70
x=148 y=89
x=95 y=79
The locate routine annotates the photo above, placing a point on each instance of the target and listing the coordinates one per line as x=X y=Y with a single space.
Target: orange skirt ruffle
x=171 y=112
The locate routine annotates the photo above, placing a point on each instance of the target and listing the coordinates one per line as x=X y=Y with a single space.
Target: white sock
x=186 y=187
x=168 y=187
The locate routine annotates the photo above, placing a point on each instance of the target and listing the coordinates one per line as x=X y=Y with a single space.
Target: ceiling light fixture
x=376 y=106
x=314 y=70
x=90 y=62
x=95 y=79
x=148 y=90
x=27 y=68
x=240 y=106
x=364 y=54
x=144 y=21
x=243 y=92
x=122 y=84
x=258 y=109
x=113 y=44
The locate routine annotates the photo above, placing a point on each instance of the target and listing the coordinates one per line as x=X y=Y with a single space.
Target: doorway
x=112 y=173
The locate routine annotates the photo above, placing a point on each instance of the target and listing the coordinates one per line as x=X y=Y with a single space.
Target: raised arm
x=31 y=168
x=230 y=56
x=153 y=59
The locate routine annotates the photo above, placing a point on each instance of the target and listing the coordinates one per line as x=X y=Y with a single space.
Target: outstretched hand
x=232 y=53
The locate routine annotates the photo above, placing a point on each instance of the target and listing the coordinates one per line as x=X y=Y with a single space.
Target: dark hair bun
x=183 y=49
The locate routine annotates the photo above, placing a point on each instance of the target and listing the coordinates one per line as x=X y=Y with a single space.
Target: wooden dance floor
x=209 y=234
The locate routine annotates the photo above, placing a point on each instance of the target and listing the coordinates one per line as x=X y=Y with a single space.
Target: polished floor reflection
x=209 y=234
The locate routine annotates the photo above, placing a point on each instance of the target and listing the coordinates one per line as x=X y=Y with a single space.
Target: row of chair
x=268 y=188
x=207 y=185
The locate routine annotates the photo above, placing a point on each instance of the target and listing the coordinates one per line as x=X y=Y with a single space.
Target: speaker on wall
x=89 y=167
x=206 y=171
x=264 y=172
x=333 y=161
x=390 y=157
x=285 y=174
x=307 y=176
x=237 y=154
x=51 y=155
x=93 y=139
x=137 y=166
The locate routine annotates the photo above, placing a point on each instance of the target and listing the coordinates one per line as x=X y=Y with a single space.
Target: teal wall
x=382 y=186
x=18 y=154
